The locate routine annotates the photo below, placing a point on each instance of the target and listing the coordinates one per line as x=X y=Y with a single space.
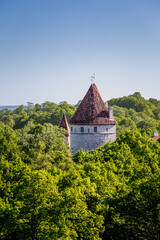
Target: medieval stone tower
x=93 y=124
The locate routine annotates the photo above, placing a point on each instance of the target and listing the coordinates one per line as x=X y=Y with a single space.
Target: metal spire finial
x=93 y=78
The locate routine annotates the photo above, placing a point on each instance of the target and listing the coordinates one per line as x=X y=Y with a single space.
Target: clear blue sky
x=50 y=48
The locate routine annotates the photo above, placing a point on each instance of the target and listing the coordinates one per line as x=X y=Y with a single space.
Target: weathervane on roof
x=93 y=78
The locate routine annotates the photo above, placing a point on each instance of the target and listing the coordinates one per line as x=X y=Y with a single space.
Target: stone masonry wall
x=91 y=136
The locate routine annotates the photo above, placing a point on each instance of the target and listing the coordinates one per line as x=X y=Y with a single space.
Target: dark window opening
x=95 y=129
x=71 y=129
x=82 y=129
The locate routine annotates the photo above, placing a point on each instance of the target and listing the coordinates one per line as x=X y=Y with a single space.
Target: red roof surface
x=156 y=138
x=92 y=110
x=64 y=124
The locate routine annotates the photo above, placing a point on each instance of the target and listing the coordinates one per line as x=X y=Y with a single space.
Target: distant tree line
x=130 y=112
x=48 y=112
x=136 y=112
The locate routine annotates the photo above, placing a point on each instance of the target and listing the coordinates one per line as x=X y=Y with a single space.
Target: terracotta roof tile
x=92 y=110
x=156 y=138
x=64 y=124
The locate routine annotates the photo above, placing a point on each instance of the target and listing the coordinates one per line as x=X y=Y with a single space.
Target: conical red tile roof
x=64 y=124
x=92 y=110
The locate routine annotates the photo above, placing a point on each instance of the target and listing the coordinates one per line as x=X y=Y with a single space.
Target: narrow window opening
x=106 y=129
x=82 y=129
x=71 y=129
x=95 y=129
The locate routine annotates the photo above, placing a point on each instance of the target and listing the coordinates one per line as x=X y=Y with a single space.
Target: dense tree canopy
x=136 y=112
x=48 y=112
x=133 y=210
x=42 y=146
x=109 y=193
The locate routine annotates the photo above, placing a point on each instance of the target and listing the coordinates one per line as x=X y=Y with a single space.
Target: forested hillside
x=134 y=111
x=130 y=112
x=110 y=193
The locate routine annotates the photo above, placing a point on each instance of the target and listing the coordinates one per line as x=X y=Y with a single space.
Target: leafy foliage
x=132 y=210
x=47 y=112
x=136 y=112
x=111 y=193
x=42 y=146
